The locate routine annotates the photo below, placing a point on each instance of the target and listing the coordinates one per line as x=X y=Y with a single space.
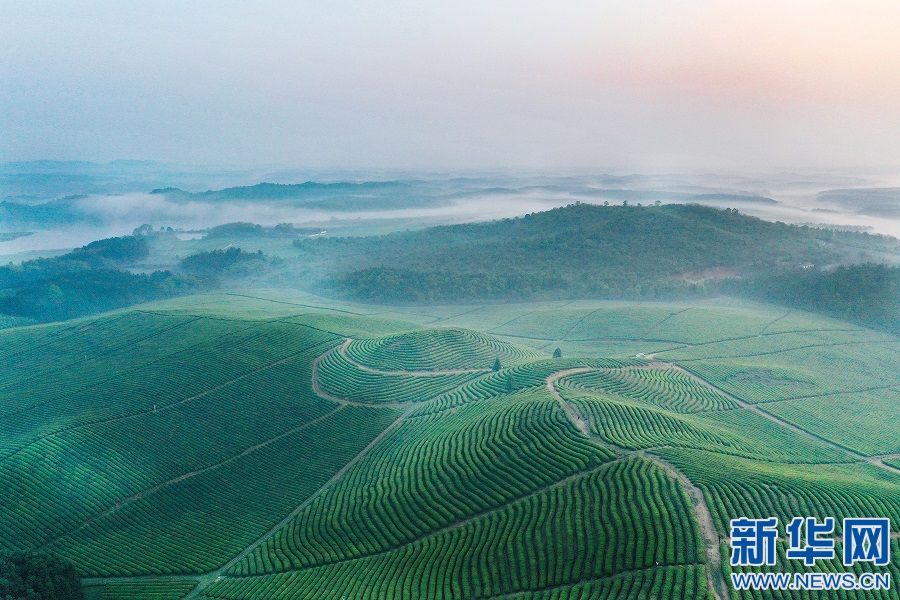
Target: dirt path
x=665 y=320
x=764 y=329
x=95 y=581
x=313 y=306
x=701 y=511
x=323 y=393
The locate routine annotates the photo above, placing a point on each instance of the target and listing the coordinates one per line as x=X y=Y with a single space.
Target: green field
x=255 y=445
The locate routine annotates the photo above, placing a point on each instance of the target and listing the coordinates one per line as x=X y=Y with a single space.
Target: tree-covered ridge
x=87 y=280
x=216 y=263
x=867 y=294
x=349 y=196
x=95 y=278
x=580 y=251
x=241 y=229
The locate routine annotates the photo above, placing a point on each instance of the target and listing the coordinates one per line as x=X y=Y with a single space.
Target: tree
x=510 y=382
x=557 y=353
x=496 y=366
x=38 y=576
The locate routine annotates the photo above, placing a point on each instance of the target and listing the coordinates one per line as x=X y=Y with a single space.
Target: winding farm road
x=703 y=516
x=702 y=513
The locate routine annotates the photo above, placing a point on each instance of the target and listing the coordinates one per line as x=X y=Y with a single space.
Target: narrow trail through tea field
x=698 y=502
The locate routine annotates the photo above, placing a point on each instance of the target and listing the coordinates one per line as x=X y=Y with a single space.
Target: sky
x=633 y=85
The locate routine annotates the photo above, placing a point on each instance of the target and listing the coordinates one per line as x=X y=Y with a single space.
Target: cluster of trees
x=29 y=576
x=213 y=265
x=112 y=251
x=576 y=251
x=50 y=291
x=867 y=294
x=87 y=280
x=238 y=230
x=95 y=278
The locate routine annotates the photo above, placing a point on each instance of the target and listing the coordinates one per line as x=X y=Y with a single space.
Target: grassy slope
x=243 y=440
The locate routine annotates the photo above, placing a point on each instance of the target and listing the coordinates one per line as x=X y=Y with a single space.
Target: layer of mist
x=50 y=206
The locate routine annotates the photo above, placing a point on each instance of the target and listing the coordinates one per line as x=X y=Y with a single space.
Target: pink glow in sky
x=638 y=84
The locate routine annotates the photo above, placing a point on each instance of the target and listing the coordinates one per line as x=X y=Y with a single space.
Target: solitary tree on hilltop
x=496 y=366
x=557 y=353
x=510 y=382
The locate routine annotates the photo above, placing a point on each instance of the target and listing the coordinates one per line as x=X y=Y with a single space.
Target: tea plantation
x=251 y=447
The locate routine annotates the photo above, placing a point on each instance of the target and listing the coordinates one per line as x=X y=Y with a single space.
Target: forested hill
x=369 y=195
x=583 y=251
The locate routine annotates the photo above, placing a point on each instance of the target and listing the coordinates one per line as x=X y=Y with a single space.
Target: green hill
x=247 y=449
x=624 y=252
x=581 y=251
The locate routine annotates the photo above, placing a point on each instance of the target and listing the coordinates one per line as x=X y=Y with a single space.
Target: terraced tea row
x=46 y=348
x=197 y=523
x=664 y=387
x=342 y=379
x=677 y=583
x=436 y=350
x=773 y=343
x=757 y=489
x=193 y=370
x=737 y=431
x=191 y=447
x=508 y=380
x=800 y=373
x=686 y=325
x=625 y=516
x=841 y=418
x=352 y=325
x=91 y=468
x=141 y=590
x=429 y=473
x=30 y=377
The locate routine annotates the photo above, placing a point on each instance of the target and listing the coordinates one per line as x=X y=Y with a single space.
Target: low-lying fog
x=865 y=204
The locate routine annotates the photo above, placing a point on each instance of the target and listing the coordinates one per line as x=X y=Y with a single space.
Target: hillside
x=226 y=446
x=86 y=280
x=582 y=251
x=370 y=195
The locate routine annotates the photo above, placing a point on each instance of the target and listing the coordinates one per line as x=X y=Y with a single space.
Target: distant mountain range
x=883 y=202
x=345 y=196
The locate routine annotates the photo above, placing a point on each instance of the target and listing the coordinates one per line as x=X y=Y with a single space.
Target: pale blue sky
x=637 y=85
